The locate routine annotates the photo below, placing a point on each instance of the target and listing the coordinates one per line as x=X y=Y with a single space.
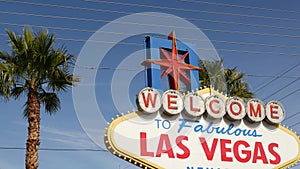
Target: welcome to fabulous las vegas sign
x=202 y=129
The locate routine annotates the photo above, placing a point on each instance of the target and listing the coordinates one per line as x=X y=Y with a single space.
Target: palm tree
x=212 y=75
x=36 y=69
x=236 y=85
x=229 y=81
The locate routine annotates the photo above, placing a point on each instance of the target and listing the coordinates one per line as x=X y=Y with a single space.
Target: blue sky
x=260 y=38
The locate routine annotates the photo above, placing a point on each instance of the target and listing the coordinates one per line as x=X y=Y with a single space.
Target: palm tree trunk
x=33 y=140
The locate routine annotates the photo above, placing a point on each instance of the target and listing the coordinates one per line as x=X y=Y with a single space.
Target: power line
x=153 y=25
x=292 y=116
x=294 y=124
x=272 y=76
x=277 y=91
x=120 y=33
x=243 y=6
x=104 y=68
x=146 y=14
x=271 y=81
x=291 y=93
x=192 y=10
x=56 y=149
x=140 y=44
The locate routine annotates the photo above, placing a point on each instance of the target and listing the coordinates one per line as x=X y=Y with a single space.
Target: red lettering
x=274 y=153
x=231 y=108
x=143 y=145
x=149 y=98
x=186 y=151
x=191 y=106
x=211 y=106
x=174 y=107
x=244 y=152
x=256 y=111
x=208 y=152
x=225 y=150
x=259 y=153
x=274 y=113
x=164 y=141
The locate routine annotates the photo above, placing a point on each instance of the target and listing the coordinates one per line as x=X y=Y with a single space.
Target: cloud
x=70 y=138
x=65 y=137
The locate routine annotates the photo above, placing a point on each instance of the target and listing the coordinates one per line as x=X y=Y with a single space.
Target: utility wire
x=277 y=91
x=243 y=6
x=294 y=124
x=291 y=93
x=54 y=149
x=192 y=10
x=140 y=44
x=272 y=76
x=293 y=115
x=152 y=25
x=271 y=81
x=147 y=14
x=120 y=33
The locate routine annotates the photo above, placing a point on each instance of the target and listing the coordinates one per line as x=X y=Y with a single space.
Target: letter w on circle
x=149 y=99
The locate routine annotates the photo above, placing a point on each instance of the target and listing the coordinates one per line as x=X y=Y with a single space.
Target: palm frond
x=16 y=92
x=25 y=110
x=50 y=101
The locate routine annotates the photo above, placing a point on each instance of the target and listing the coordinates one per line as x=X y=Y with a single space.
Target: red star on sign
x=174 y=65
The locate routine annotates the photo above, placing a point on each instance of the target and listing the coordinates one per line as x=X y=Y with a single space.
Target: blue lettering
x=237 y=132
x=209 y=129
x=157 y=122
x=166 y=126
x=220 y=131
x=183 y=124
x=188 y=167
x=254 y=134
x=199 y=128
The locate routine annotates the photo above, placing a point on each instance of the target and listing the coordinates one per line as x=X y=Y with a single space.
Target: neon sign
x=155 y=137
x=198 y=130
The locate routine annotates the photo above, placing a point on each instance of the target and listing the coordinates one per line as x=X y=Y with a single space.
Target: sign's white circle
x=172 y=102
x=149 y=100
x=90 y=113
x=275 y=112
x=194 y=104
x=235 y=108
x=215 y=106
x=255 y=110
